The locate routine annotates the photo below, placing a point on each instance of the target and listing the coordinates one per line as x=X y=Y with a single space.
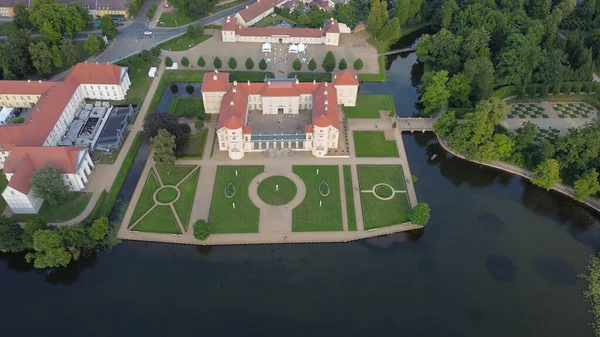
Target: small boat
x=433 y=157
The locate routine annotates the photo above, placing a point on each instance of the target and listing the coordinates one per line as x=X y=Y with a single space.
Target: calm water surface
x=499 y=258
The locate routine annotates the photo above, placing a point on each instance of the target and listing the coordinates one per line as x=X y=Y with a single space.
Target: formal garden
x=277 y=190
x=231 y=210
x=373 y=144
x=526 y=110
x=383 y=195
x=574 y=110
x=368 y=106
x=321 y=208
x=165 y=204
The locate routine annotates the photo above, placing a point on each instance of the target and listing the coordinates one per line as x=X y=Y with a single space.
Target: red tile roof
x=96 y=73
x=247 y=130
x=258 y=8
x=345 y=77
x=23 y=161
x=230 y=24
x=330 y=26
x=308 y=128
x=25 y=87
x=215 y=82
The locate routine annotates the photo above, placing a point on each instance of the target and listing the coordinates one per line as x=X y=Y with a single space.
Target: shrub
x=249 y=63
x=232 y=63
x=201 y=229
x=565 y=88
x=532 y=90
x=189 y=89
x=217 y=63
x=262 y=64
x=199 y=124
x=556 y=89
x=588 y=87
x=168 y=62
x=414 y=178
x=543 y=90
x=576 y=88
x=297 y=65
x=208 y=118
x=146 y=55
x=155 y=51
x=329 y=62
x=185 y=62
x=185 y=127
x=420 y=214
x=174 y=88
x=394 y=125
x=312 y=65
x=18 y=120
x=343 y=64
x=358 y=64
x=201 y=63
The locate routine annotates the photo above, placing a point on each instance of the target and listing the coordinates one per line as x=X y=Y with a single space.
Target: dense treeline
x=195 y=8
x=485 y=45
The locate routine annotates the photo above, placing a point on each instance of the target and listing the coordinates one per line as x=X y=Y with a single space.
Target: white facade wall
x=331 y=39
x=231 y=141
x=65 y=119
x=212 y=101
x=324 y=139
x=285 y=105
x=347 y=94
x=3 y=155
x=21 y=203
x=255 y=102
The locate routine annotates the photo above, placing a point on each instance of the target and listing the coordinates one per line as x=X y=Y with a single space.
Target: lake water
x=498 y=258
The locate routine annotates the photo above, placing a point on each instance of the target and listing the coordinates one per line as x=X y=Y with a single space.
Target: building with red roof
x=285 y=100
x=34 y=144
x=329 y=34
x=257 y=11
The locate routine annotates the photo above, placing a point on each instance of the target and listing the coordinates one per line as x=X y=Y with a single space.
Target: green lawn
x=368 y=106
x=66 y=210
x=277 y=190
x=140 y=82
x=184 y=42
x=223 y=218
x=374 y=144
x=7 y=27
x=178 y=172
x=309 y=216
x=159 y=220
x=304 y=76
x=166 y=195
x=3 y=183
x=175 y=19
x=170 y=76
x=350 y=211
x=183 y=206
x=195 y=146
x=380 y=213
x=145 y=202
x=187 y=106
x=268 y=21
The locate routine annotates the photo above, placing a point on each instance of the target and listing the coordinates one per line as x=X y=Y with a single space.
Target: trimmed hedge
x=307 y=77
x=532 y=90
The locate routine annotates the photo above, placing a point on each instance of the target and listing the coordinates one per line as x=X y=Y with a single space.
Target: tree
x=232 y=63
x=99 y=229
x=525 y=136
x=68 y=52
x=201 y=62
x=547 y=174
x=217 y=63
x=196 y=8
x=445 y=124
x=21 y=16
x=517 y=61
x=191 y=32
x=476 y=44
x=249 y=63
x=436 y=94
x=201 y=229
x=312 y=65
x=163 y=145
x=587 y=185
x=108 y=27
x=358 y=64
x=168 y=62
x=460 y=90
x=343 y=64
x=297 y=65
x=49 y=33
x=79 y=19
x=76 y=240
x=55 y=14
x=449 y=7
x=262 y=65
x=407 y=10
x=92 y=45
x=377 y=17
x=420 y=214
x=41 y=56
x=15 y=59
x=29 y=230
x=49 y=250
x=390 y=31
x=540 y=8
x=329 y=62
x=10 y=235
x=48 y=184
x=169 y=122
x=480 y=73
x=185 y=62
x=441 y=51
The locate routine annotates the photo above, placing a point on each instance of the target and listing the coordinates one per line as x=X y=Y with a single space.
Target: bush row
x=544 y=90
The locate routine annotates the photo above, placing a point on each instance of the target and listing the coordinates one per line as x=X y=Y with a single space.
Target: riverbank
x=591 y=202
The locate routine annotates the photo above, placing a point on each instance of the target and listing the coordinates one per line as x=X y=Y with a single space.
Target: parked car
x=147 y=32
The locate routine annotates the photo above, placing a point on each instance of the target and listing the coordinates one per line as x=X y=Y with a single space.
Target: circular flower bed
x=229 y=190
x=166 y=195
x=324 y=188
x=277 y=190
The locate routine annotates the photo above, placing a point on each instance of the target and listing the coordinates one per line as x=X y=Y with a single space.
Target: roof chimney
x=325 y=92
x=40 y=81
x=325 y=84
x=248 y=82
x=234 y=90
x=334 y=77
x=355 y=76
x=234 y=83
x=216 y=71
x=96 y=62
x=28 y=81
x=314 y=82
x=268 y=82
x=297 y=80
x=326 y=102
x=215 y=77
x=231 y=102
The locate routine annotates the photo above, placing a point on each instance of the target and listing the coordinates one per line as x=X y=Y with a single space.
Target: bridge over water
x=412 y=124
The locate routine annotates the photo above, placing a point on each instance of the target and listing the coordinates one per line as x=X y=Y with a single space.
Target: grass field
x=195 y=146
x=183 y=206
x=350 y=211
x=187 y=106
x=178 y=172
x=7 y=27
x=166 y=195
x=145 y=202
x=380 y=213
x=223 y=218
x=67 y=210
x=368 y=106
x=269 y=20
x=373 y=144
x=184 y=42
x=170 y=76
x=140 y=82
x=159 y=220
x=309 y=216
x=175 y=19
x=277 y=190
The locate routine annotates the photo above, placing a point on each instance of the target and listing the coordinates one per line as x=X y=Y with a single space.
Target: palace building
x=279 y=113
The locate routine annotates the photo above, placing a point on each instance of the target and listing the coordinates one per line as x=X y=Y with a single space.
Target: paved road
x=125 y=43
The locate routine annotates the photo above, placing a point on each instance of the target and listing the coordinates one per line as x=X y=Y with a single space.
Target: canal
x=499 y=257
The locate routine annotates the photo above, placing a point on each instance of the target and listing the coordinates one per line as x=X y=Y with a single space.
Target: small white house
x=152 y=72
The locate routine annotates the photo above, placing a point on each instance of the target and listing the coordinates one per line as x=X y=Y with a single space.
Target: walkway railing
x=415 y=124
